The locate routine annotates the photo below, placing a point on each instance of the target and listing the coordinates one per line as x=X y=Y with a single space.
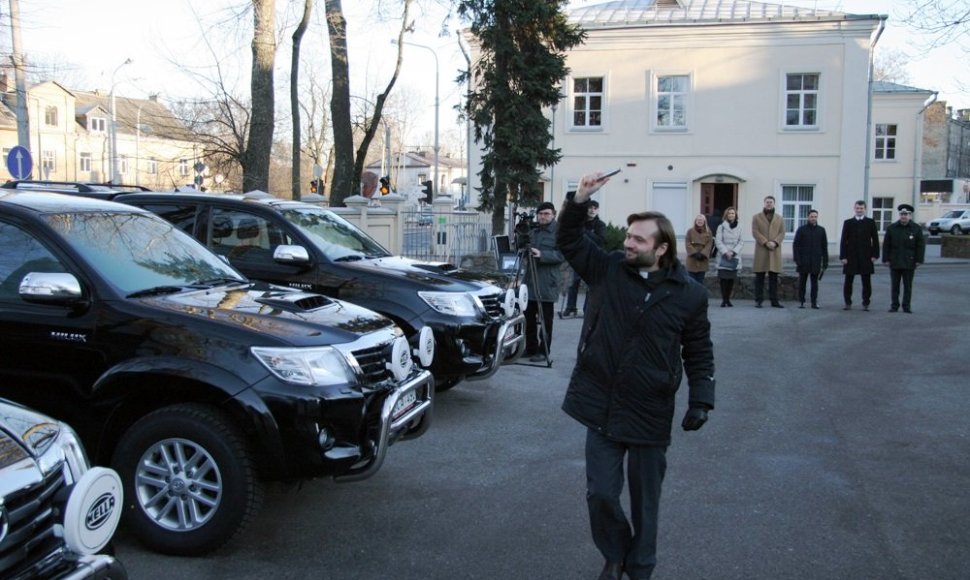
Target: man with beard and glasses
x=647 y=324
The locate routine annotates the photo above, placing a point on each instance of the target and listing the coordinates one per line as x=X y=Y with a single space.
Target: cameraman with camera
x=542 y=259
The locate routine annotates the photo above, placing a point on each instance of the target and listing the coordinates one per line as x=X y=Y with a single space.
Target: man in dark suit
x=858 y=251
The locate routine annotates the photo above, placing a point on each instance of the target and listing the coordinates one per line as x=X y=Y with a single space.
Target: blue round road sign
x=19 y=162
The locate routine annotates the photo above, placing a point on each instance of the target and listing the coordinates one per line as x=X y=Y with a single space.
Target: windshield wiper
x=349 y=258
x=217 y=281
x=156 y=291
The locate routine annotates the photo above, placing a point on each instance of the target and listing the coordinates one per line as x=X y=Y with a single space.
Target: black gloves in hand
x=699 y=256
x=694 y=419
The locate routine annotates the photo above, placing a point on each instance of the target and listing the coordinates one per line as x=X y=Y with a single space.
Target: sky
x=90 y=40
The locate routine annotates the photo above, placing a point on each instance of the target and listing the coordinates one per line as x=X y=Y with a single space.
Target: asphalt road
x=839 y=449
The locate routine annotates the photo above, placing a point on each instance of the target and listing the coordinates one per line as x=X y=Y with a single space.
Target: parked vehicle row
x=197 y=384
x=191 y=381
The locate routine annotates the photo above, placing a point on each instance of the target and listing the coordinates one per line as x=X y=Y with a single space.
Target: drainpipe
x=873 y=39
x=918 y=154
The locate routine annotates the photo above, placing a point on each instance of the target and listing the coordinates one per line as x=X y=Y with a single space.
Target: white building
x=705 y=105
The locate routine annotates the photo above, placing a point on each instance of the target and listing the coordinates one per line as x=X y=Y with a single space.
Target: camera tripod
x=525 y=262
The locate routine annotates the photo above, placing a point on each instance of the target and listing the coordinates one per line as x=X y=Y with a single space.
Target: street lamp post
x=436 y=106
x=114 y=125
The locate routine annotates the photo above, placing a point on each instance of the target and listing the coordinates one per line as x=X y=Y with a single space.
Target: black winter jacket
x=635 y=344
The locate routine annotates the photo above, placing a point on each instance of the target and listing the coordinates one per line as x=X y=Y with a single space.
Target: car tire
x=189 y=480
x=956 y=230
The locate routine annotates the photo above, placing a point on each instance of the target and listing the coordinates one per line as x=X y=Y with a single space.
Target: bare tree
x=295 y=94
x=255 y=158
x=945 y=21
x=348 y=165
x=316 y=144
x=890 y=66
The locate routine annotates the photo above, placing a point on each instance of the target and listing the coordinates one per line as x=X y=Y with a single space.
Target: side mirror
x=296 y=255
x=51 y=288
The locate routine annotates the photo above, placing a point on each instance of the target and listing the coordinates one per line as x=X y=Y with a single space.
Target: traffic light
x=428 y=193
x=385 y=185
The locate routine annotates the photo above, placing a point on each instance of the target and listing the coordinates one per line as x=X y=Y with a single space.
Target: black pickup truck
x=477 y=324
x=193 y=383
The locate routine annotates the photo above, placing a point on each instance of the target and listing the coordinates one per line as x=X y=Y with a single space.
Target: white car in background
x=955 y=221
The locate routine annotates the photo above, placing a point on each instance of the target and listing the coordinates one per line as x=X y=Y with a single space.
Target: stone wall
x=955 y=246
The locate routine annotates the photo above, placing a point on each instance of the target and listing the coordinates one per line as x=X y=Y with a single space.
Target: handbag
x=726 y=263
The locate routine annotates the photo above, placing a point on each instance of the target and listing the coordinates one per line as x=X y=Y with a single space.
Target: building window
x=184 y=167
x=50 y=116
x=588 y=102
x=672 y=92
x=123 y=159
x=48 y=161
x=796 y=201
x=152 y=166
x=84 y=162
x=882 y=212
x=885 y=142
x=97 y=124
x=801 y=100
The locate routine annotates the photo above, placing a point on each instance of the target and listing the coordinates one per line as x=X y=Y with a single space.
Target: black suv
x=193 y=383
x=477 y=325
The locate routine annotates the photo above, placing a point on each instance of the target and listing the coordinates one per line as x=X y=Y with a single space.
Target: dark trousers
x=866 y=288
x=646 y=467
x=804 y=277
x=699 y=276
x=759 y=287
x=532 y=341
x=727 y=287
x=895 y=275
x=573 y=293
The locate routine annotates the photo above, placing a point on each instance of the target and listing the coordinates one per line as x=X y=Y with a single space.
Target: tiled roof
x=888 y=87
x=622 y=13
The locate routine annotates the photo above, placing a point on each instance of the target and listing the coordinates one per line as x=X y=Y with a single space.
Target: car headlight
x=318 y=366
x=456 y=303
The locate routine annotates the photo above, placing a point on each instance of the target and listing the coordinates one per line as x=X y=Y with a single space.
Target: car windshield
x=137 y=252
x=338 y=239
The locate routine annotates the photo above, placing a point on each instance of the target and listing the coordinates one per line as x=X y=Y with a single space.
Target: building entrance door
x=717 y=197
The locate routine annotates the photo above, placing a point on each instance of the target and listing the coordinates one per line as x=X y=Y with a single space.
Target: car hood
x=436 y=276
x=292 y=316
x=23 y=433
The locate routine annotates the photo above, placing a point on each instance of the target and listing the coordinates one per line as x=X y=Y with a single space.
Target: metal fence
x=446 y=235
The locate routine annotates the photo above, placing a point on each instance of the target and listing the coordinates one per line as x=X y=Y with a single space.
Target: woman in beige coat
x=699 y=242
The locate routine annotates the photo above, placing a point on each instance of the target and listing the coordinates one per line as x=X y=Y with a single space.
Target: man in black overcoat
x=810 y=250
x=646 y=328
x=858 y=252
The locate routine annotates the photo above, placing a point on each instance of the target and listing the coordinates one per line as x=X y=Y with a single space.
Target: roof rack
x=80 y=187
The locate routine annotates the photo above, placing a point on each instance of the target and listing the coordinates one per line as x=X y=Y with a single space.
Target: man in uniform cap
x=903 y=248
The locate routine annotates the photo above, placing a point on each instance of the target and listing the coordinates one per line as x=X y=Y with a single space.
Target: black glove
x=694 y=419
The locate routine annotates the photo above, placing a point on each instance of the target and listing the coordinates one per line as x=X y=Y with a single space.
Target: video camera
x=523 y=229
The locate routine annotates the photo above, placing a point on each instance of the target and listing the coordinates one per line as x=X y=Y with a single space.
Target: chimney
x=964 y=115
x=153 y=97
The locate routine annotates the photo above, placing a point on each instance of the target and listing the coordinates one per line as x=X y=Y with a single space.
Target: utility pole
x=23 y=121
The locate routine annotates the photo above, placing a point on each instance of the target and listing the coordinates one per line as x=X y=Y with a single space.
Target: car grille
x=492 y=304
x=30 y=515
x=373 y=362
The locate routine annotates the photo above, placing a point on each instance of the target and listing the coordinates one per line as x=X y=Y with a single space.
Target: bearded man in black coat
x=647 y=324
x=858 y=252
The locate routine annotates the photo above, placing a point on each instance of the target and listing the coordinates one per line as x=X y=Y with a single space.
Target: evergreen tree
x=521 y=45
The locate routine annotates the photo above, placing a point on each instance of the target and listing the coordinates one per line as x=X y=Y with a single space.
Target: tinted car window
x=336 y=238
x=241 y=235
x=182 y=216
x=21 y=255
x=138 y=251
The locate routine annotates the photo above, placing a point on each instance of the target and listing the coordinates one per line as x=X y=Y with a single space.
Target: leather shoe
x=538 y=357
x=894 y=309
x=612 y=571
x=776 y=305
x=757 y=305
x=815 y=306
x=802 y=305
x=907 y=310
x=847 y=307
